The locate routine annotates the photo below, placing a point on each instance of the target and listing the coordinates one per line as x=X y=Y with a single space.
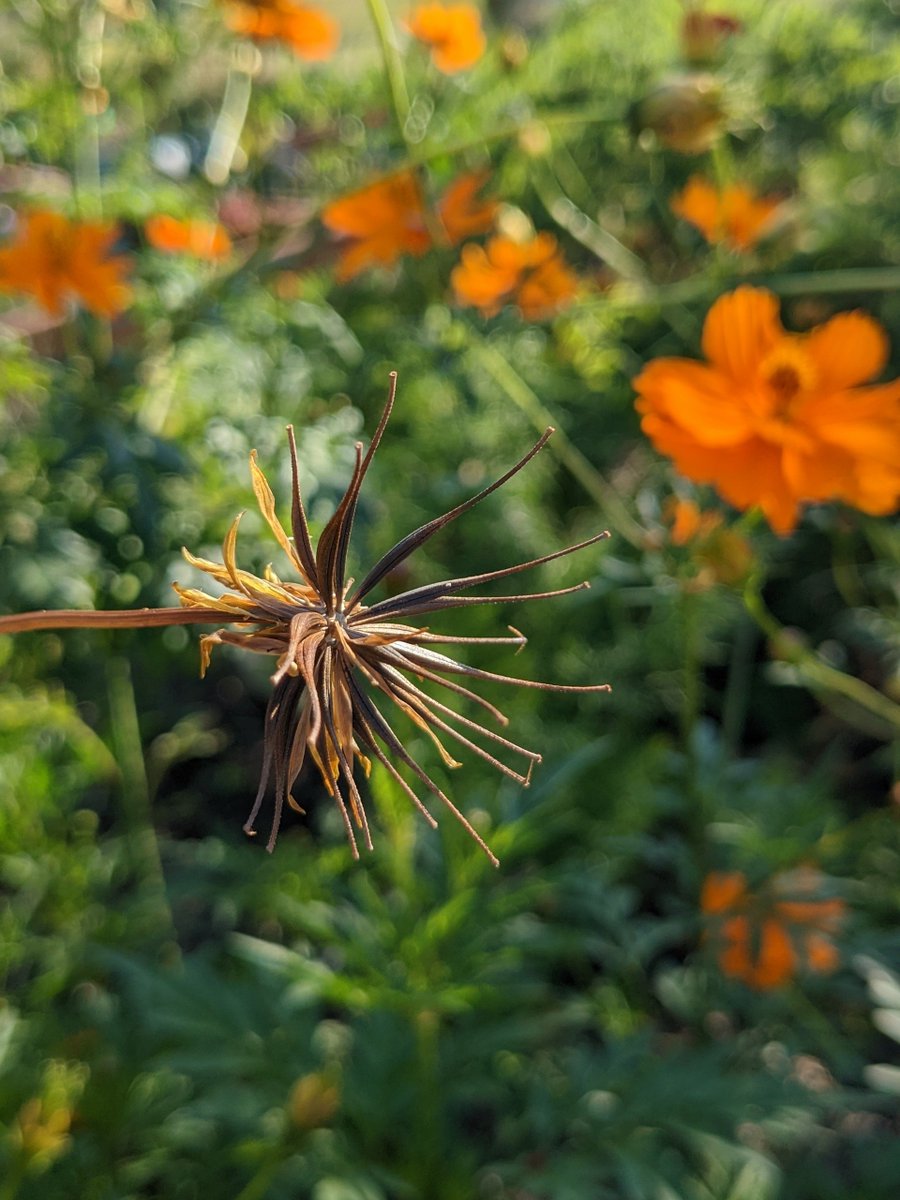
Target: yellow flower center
x=786 y=373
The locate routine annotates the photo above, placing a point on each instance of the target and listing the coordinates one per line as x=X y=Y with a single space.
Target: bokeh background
x=682 y=980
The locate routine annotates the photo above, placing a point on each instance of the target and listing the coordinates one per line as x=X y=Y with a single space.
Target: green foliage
x=184 y=1016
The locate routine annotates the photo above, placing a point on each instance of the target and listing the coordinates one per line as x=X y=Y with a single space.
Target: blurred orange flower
x=386 y=220
x=55 y=259
x=463 y=214
x=202 y=239
x=383 y=220
x=531 y=273
x=776 y=419
x=688 y=522
x=723 y=555
x=310 y=33
x=764 y=939
x=735 y=216
x=454 y=33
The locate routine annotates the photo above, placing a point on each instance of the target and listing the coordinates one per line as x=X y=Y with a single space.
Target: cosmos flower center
x=786 y=373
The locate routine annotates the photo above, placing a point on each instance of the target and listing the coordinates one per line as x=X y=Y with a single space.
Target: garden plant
x=570 y=717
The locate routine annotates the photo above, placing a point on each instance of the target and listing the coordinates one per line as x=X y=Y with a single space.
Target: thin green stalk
x=566 y=213
x=393 y=63
x=429 y=1138
x=89 y=53
x=258 y=1186
x=229 y=124
x=737 y=687
x=9 y=1186
x=601 y=492
x=633 y=295
x=696 y=813
x=140 y=834
x=817 y=674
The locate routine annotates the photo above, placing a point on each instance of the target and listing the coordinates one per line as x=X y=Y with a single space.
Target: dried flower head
x=336 y=656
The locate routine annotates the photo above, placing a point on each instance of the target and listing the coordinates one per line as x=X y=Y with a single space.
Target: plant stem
x=600 y=491
x=133 y=618
x=819 y=675
x=737 y=687
x=140 y=835
x=229 y=125
x=427 y=1025
x=258 y=1186
x=393 y=64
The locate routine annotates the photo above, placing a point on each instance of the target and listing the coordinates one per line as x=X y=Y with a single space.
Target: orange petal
x=847 y=350
x=740 y=329
x=775 y=959
x=722 y=890
x=822 y=955
x=702 y=401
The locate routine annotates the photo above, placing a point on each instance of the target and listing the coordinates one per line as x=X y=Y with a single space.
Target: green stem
x=566 y=213
x=428 y=1109
x=89 y=52
x=600 y=491
x=737 y=687
x=9 y=1187
x=393 y=63
x=634 y=295
x=690 y=707
x=229 y=125
x=140 y=834
x=258 y=1186
x=819 y=675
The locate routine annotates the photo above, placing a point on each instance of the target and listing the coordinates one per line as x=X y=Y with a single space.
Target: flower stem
x=427 y=1024
x=140 y=835
x=600 y=491
x=819 y=676
x=393 y=64
x=134 y=618
x=229 y=125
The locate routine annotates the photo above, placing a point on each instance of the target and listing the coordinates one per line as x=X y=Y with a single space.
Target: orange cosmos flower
x=454 y=33
x=383 y=220
x=55 y=259
x=386 y=220
x=202 y=239
x=463 y=214
x=736 y=216
x=721 y=554
x=763 y=939
x=310 y=33
x=776 y=419
x=532 y=273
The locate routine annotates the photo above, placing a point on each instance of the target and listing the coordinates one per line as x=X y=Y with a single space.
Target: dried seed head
x=336 y=657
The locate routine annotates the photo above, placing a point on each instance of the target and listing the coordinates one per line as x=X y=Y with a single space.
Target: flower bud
x=704 y=36
x=685 y=113
x=313 y=1101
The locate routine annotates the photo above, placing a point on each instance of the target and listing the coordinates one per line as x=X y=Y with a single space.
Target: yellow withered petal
x=266 y=500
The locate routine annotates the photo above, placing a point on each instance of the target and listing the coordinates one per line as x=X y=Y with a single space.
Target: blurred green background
x=184 y=1016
